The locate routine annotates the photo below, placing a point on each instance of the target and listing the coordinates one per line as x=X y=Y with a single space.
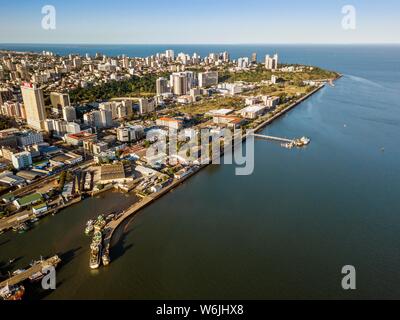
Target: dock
x=278 y=139
x=19 y=278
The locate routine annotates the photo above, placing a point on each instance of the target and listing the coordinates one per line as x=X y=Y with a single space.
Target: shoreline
x=112 y=227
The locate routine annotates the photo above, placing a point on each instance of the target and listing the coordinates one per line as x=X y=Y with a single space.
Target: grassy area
x=208 y=104
x=133 y=87
x=279 y=90
x=261 y=74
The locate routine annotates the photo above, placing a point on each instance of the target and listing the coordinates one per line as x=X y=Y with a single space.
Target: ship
x=305 y=140
x=100 y=224
x=95 y=251
x=21 y=228
x=89 y=227
x=12 y=293
x=106 y=256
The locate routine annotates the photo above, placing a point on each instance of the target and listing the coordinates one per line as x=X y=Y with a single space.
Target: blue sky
x=204 y=21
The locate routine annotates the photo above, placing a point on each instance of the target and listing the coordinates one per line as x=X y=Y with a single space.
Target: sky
x=196 y=22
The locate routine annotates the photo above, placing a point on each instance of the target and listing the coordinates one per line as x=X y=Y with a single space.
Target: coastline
x=112 y=227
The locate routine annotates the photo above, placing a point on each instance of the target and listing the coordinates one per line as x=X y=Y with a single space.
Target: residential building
x=170 y=123
x=162 y=86
x=208 y=79
x=69 y=113
x=130 y=133
x=21 y=160
x=34 y=106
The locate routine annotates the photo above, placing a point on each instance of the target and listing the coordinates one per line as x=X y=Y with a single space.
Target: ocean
x=284 y=232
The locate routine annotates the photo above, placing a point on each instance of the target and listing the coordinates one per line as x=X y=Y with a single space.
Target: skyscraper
x=34 y=106
x=69 y=114
x=170 y=54
x=180 y=83
x=208 y=79
x=162 y=86
x=271 y=63
x=254 y=58
x=59 y=101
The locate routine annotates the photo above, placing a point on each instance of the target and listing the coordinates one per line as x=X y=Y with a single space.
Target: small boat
x=12 y=293
x=21 y=228
x=34 y=220
x=89 y=229
x=305 y=140
x=36 y=277
x=106 y=256
x=17 y=272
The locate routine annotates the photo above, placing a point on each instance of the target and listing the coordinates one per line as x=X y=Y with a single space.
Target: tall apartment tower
x=170 y=54
x=271 y=63
x=180 y=84
x=162 y=86
x=34 y=106
x=254 y=58
x=59 y=101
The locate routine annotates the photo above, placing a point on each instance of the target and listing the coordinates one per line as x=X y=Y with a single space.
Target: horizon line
x=202 y=43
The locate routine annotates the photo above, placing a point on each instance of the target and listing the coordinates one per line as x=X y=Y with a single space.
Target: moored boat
x=12 y=292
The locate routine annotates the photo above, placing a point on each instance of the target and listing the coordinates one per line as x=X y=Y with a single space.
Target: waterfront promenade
x=133 y=210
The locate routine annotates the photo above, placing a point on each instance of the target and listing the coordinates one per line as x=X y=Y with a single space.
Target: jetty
x=37 y=267
x=277 y=139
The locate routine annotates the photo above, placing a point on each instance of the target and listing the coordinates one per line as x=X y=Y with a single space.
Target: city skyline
x=228 y=22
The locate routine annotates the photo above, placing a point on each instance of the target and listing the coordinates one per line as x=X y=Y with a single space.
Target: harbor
x=110 y=228
x=13 y=289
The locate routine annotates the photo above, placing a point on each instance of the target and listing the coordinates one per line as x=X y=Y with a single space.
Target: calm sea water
x=284 y=232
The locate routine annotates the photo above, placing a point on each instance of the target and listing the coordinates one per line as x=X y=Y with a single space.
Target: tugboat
x=12 y=293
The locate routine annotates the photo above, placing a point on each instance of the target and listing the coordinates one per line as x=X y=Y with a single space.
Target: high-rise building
x=146 y=106
x=69 y=113
x=162 y=86
x=34 y=106
x=180 y=84
x=106 y=118
x=170 y=54
x=243 y=62
x=208 y=79
x=271 y=63
x=59 y=100
x=254 y=58
x=21 y=160
x=130 y=133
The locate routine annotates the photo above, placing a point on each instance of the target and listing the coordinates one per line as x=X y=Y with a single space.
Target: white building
x=69 y=113
x=146 y=106
x=208 y=79
x=21 y=160
x=130 y=133
x=252 y=112
x=29 y=138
